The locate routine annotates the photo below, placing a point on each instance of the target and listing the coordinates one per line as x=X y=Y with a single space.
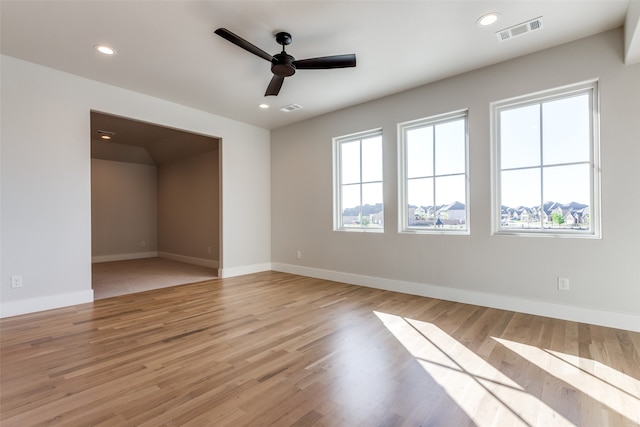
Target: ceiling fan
x=284 y=65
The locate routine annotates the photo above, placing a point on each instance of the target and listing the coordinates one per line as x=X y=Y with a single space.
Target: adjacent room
x=393 y=213
x=154 y=206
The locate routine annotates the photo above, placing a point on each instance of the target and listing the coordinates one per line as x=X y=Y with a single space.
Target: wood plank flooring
x=284 y=350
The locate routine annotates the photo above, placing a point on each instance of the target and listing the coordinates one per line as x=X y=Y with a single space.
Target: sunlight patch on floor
x=603 y=372
x=614 y=389
x=480 y=390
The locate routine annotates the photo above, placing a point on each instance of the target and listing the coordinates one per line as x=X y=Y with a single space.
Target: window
x=358 y=182
x=433 y=152
x=546 y=163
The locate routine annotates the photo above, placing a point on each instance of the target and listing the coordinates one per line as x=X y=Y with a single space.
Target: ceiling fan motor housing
x=282 y=65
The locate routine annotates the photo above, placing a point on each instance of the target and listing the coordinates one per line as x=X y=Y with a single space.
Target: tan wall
x=124 y=212
x=188 y=207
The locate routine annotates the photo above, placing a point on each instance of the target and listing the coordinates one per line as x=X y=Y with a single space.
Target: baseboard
x=32 y=305
x=123 y=257
x=245 y=269
x=592 y=316
x=610 y=319
x=189 y=260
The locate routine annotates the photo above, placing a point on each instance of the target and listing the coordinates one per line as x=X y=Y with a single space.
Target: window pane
x=372 y=210
x=420 y=210
x=450 y=189
x=521 y=199
x=520 y=137
x=567 y=190
x=350 y=205
x=566 y=130
x=520 y=188
x=372 y=193
x=567 y=184
x=372 y=159
x=450 y=148
x=419 y=152
x=420 y=192
x=450 y=200
x=350 y=162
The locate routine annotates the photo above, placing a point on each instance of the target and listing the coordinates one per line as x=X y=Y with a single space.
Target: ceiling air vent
x=520 y=29
x=291 y=107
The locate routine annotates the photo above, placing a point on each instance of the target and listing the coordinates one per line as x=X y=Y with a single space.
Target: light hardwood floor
x=285 y=350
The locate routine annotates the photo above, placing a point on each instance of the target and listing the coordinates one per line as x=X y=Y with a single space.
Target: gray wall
x=124 y=209
x=173 y=208
x=188 y=207
x=512 y=272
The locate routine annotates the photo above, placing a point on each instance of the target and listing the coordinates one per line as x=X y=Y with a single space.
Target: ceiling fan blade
x=240 y=42
x=326 y=62
x=274 y=86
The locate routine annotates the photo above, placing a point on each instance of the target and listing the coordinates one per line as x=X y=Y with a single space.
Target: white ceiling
x=167 y=49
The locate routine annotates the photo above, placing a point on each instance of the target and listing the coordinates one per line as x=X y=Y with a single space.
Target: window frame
x=403 y=226
x=590 y=88
x=337 y=179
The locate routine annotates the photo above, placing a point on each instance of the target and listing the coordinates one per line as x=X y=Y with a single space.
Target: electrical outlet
x=143 y=243
x=563 y=283
x=16 y=281
x=209 y=249
x=299 y=254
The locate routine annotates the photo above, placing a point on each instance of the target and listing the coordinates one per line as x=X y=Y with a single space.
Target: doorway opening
x=155 y=206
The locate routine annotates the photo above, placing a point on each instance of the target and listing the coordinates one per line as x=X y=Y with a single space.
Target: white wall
x=510 y=272
x=124 y=210
x=45 y=181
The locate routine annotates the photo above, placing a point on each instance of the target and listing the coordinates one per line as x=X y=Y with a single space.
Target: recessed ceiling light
x=264 y=106
x=105 y=134
x=488 y=19
x=104 y=49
